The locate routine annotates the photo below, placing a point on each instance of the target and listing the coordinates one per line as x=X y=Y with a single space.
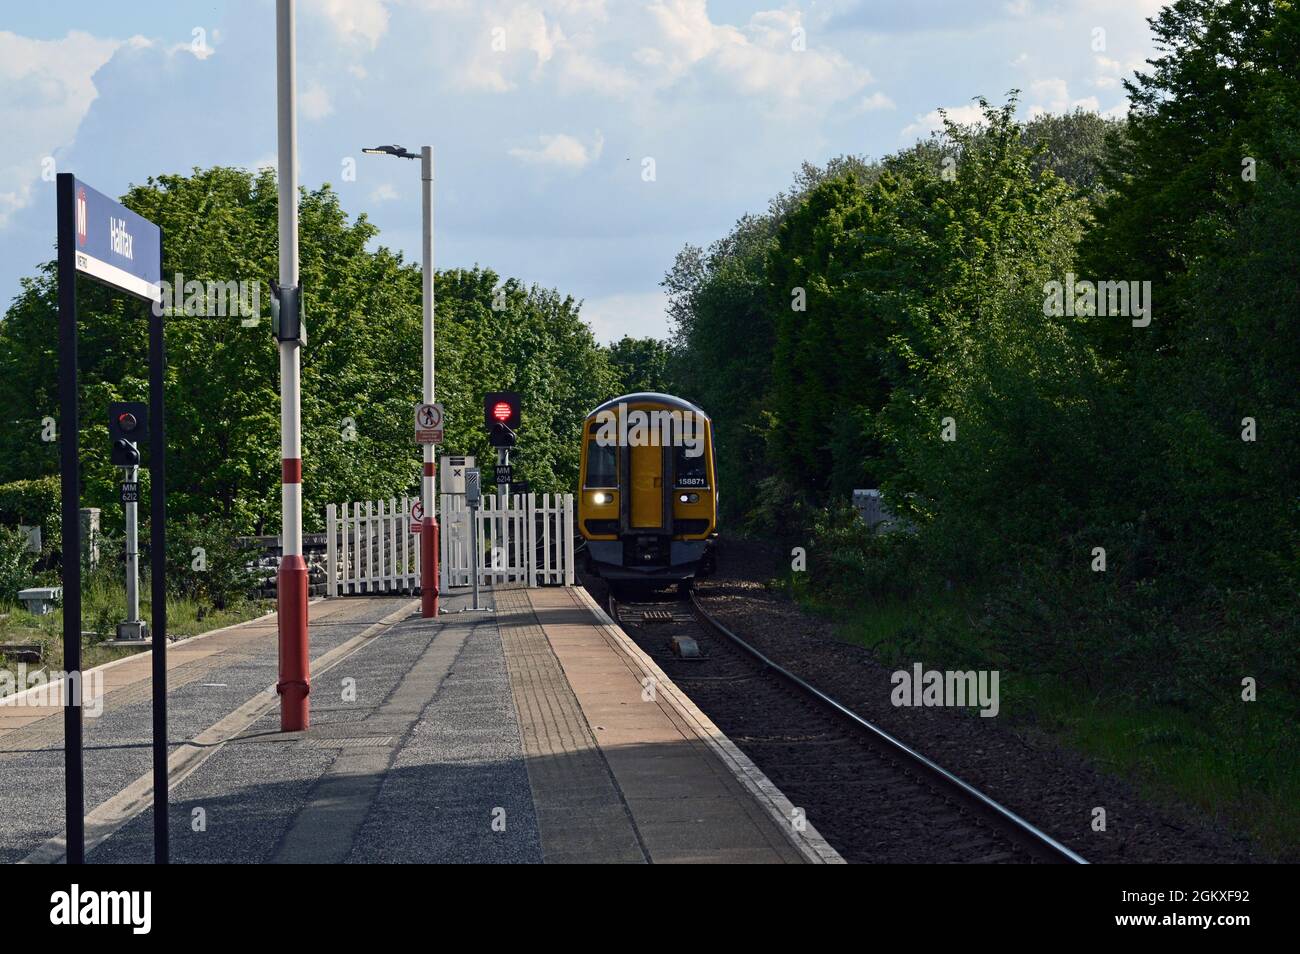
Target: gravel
x=1027 y=770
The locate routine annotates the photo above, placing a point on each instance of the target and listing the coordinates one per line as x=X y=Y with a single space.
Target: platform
x=537 y=733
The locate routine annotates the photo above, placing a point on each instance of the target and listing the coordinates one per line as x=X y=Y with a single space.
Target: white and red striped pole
x=428 y=532
x=291 y=581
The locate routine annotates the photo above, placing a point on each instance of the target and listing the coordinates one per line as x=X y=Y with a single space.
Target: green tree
x=724 y=334
x=501 y=335
x=1227 y=71
x=722 y=349
x=360 y=368
x=640 y=363
x=1074 y=146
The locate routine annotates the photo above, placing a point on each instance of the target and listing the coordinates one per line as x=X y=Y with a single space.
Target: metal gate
x=524 y=538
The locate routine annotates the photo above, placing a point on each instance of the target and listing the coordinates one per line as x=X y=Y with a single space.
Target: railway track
x=873 y=797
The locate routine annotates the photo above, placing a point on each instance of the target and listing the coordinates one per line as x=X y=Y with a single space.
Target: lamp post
x=429 y=526
x=294 y=683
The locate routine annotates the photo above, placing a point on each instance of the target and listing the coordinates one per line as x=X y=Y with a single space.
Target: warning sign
x=428 y=423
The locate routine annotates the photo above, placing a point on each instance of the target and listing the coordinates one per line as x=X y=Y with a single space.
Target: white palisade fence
x=526 y=538
x=523 y=538
x=369 y=547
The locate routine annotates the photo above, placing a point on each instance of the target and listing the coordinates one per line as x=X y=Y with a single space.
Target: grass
x=103 y=606
x=1238 y=763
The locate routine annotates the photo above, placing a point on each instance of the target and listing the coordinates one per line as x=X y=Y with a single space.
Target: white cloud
x=314 y=102
x=504 y=45
x=760 y=58
x=649 y=56
x=578 y=71
x=509 y=41
x=639 y=314
x=1145 y=8
x=1054 y=91
x=877 y=101
x=46 y=89
x=1110 y=72
x=384 y=192
x=560 y=149
x=357 y=21
x=198 y=47
x=1053 y=96
x=933 y=121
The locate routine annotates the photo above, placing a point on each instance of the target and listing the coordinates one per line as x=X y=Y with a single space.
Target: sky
x=579 y=144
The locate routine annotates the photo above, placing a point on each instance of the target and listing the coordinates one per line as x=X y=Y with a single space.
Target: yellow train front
x=648 y=499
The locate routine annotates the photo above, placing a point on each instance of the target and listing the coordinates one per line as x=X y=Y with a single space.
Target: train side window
x=690 y=471
x=602 y=465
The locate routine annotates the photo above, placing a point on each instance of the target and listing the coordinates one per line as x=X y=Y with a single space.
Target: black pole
x=158 y=575
x=74 y=798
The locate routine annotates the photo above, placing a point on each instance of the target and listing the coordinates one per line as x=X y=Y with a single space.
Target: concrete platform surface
x=537 y=733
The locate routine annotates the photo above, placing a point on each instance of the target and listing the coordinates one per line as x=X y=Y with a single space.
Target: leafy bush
x=205 y=562
x=34 y=503
x=16 y=564
x=849 y=560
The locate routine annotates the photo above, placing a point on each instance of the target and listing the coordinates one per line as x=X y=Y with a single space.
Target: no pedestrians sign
x=428 y=423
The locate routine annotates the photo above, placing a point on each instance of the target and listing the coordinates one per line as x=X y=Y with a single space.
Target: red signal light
x=501 y=411
x=126 y=421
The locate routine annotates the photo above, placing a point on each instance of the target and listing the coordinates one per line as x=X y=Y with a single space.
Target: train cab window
x=602 y=465
x=690 y=471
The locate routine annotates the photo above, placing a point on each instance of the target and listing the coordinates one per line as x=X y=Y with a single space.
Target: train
x=648 y=494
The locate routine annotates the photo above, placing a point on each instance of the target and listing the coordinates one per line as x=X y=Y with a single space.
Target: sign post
x=429 y=420
x=429 y=576
x=110 y=243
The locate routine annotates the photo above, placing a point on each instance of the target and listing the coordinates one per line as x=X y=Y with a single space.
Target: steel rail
x=1032 y=838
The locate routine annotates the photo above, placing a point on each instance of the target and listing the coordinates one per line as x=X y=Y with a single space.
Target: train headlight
x=689 y=498
x=602 y=498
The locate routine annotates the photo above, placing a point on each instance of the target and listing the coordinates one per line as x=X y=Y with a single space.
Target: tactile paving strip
x=581 y=815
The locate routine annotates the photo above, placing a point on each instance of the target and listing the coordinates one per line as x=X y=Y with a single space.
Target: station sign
x=115 y=245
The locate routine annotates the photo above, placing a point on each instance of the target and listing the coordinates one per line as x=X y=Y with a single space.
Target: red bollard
x=429 y=567
x=295 y=668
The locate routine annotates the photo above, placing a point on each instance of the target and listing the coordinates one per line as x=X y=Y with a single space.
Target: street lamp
x=390 y=151
x=429 y=525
